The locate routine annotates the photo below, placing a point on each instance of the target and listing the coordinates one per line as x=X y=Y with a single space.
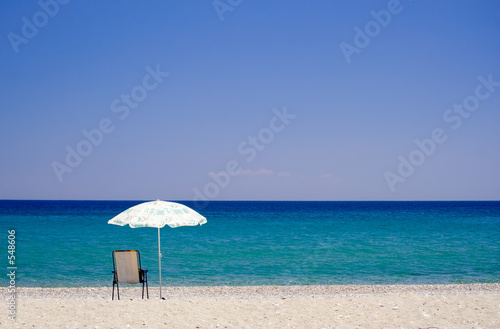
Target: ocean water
x=69 y=243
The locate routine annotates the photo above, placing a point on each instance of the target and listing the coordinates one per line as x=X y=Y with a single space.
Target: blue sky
x=250 y=100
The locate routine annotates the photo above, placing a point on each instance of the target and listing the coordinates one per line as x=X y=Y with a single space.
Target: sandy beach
x=349 y=306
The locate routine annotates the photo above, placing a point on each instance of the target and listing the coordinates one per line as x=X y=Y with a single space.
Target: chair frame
x=143 y=274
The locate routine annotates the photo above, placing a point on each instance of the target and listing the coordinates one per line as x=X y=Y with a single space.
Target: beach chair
x=127 y=269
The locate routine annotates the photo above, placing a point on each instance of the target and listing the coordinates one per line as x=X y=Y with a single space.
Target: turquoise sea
x=69 y=243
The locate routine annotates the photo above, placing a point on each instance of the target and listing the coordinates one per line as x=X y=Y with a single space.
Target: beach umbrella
x=158 y=214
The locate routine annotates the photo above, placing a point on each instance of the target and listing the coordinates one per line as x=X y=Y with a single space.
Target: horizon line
x=241 y=200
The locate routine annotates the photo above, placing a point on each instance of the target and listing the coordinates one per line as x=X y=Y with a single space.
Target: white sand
x=426 y=306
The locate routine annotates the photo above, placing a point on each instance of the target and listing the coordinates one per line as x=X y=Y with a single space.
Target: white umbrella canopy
x=157 y=214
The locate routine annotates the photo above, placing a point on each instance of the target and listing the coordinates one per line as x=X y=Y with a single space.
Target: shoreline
x=256 y=292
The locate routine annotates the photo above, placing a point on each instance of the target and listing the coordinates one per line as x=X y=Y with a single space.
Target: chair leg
x=117 y=290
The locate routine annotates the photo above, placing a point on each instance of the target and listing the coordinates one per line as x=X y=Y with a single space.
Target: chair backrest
x=127 y=264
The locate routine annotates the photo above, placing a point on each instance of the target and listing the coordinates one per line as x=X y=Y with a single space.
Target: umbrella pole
x=159 y=257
